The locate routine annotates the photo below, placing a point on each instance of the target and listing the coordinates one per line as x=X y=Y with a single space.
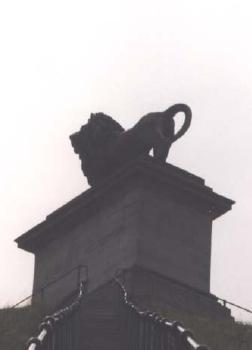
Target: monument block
x=148 y=215
x=144 y=219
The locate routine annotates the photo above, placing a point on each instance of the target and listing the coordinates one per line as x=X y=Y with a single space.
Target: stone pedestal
x=149 y=215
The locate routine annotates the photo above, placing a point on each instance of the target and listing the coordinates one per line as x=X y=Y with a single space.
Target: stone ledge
x=143 y=172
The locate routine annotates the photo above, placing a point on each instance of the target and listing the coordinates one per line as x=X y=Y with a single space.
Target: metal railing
x=245 y=316
x=41 y=291
x=38 y=297
x=60 y=331
x=148 y=331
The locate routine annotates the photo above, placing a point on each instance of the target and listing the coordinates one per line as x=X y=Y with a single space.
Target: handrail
x=227 y=302
x=55 y=280
x=224 y=302
x=176 y=328
x=47 y=328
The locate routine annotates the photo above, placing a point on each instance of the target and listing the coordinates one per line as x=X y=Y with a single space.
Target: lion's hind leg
x=161 y=150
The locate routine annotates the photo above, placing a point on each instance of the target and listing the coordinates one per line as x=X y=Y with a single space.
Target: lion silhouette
x=103 y=145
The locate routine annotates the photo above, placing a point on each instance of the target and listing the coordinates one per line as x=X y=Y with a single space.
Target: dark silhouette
x=103 y=145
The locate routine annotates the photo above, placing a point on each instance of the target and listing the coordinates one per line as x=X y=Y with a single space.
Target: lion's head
x=92 y=141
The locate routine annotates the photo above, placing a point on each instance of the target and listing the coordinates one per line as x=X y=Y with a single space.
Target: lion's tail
x=173 y=110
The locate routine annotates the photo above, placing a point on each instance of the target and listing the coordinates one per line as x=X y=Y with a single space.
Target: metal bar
x=225 y=302
x=51 y=283
x=156 y=330
x=55 y=329
x=193 y=289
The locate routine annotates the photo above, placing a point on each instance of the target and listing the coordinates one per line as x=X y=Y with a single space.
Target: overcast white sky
x=62 y=60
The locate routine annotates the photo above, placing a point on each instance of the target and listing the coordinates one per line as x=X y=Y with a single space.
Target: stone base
x=148 y=214
x=149 y=289
x=102 y=325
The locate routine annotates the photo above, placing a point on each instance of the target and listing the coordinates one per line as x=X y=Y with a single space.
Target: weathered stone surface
x=149 y=288
x=102 y=324
x=151 y=215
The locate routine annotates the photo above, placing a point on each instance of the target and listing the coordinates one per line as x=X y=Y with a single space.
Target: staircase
x=107 y=320
x=101 y=322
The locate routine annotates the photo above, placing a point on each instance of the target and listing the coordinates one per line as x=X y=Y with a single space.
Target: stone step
x=101 y=327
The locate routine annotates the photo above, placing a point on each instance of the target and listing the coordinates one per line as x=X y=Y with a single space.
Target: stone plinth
x=149 y=214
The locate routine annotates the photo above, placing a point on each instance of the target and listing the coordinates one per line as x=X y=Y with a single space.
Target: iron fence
x=8 y=317
x=148 y=331
x=60 y=331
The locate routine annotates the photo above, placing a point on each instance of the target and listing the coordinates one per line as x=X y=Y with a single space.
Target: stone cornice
x=139 y=173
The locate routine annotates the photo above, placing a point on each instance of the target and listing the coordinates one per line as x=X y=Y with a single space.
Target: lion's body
x=103 y=145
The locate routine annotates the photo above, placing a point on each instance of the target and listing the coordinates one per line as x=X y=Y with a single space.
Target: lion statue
x=103 y=145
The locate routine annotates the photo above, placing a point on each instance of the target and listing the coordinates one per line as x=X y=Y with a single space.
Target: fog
x=62 y=60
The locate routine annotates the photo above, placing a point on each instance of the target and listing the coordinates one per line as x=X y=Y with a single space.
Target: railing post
x=56 y=332
x=149 y=331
